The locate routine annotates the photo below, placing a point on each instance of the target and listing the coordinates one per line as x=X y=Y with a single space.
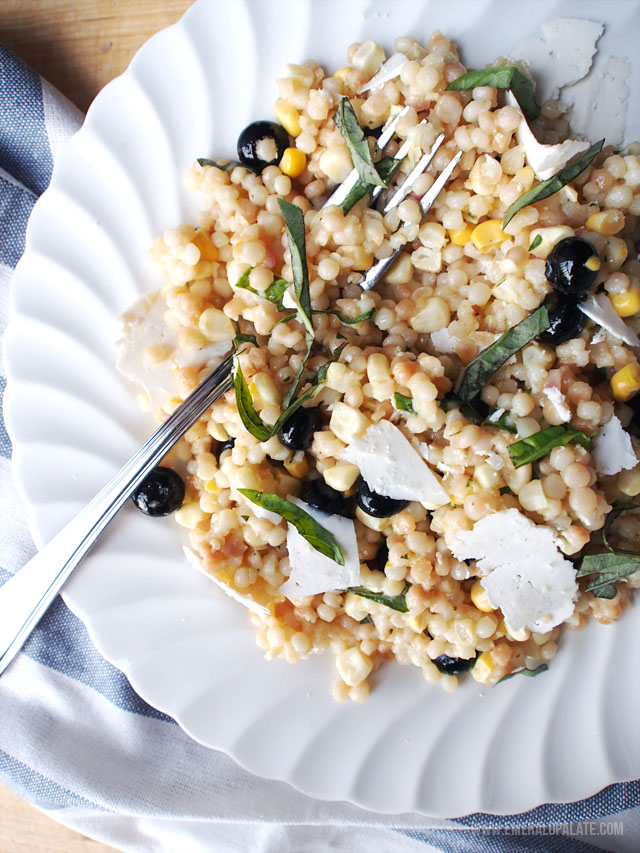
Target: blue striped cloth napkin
x=77 y=741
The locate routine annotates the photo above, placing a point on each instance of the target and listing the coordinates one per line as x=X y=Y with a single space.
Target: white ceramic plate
x=185 y=647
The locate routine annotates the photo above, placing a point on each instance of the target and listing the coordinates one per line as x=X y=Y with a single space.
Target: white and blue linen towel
x=76 y=740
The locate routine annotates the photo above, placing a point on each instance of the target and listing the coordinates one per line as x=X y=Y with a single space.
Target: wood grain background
x=78 y=45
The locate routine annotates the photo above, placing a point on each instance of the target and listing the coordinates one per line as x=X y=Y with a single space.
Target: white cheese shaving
x=443 y=341
x=612 y=449
x=545 y=160
x=142 y=326
x=599 y=336
x=494 y=459
x=261 y=512
x=562 y=56
x=600 y=101
x=311 y=571
x=601 y=311
x=246 y=600
x=288 y=299
x=495 y=416
x=391 y=467
x=524 y=573
x=389 y=71
x=557 y=400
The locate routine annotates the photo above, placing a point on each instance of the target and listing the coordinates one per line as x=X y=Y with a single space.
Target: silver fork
x=26 y=596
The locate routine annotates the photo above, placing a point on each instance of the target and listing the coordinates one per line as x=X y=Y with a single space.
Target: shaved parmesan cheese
x=601 y=311
x=612 y=449
x=562 y=56
x=261 y=512
x=443 y=341
x=391 y=467
x=599 y=336
x=246 y=600
x=524 y=574
x=557 y=400
x=142 y=330
x=600 y=101
x=389 y=71
x=288 y=299
x=545 y=160
x=495 y=460
x=311 y=571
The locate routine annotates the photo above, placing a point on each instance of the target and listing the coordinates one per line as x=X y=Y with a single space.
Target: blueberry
x=160 y=493
x=258 y=137
x=379 y=506
x=453 y=666
x=297 y=431
x=567 y=320
x=224 y=445
x=572 y=266
x=317 y=494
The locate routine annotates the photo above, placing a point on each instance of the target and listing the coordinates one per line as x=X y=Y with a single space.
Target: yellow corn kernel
x=216 y=326
x=626 y=304
x=341 y=477
x=401 y=270
x=629 y=482
x=353 y=666
x=626 y=382
x=461 y=237
x=288 y=117
x=212 y=486
x=207 y=250
x=418 y=621
x=189 y=515
x=298 y=468
x=266 y=389
x=293 y=162
x=347 y=423
x=548 y=238
x=217 y=431
x=343 y=73
x=480 y=598
x=483 y=667
x=487 y=235
x=607 y=222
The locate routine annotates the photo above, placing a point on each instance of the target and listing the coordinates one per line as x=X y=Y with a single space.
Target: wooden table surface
x=78 y=45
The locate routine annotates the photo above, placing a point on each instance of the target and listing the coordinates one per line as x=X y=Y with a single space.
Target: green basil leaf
x=244 y=339
x=308 y=527
x=385 y=167
x=478 y=372
x=502 y=77
x=553 y=184
x=535 y=242
x=530 y=673
x=367 y=620
x=345 y=119
x=294 y=224
x=609 y=568
x=350 y=321
x=224 y=167
x=403 y=403
x=395 y=602
x=541 y=443
x=275 y=292
x=617 y=510
x=250 y=418
x=243 y=282
x=321 y=376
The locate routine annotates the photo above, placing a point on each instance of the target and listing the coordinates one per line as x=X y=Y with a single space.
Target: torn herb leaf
x=535 y=242
x=250 y=418
x=350 y=321
x=609 y=568
x=315 y=534
x=224 y=167
x=386 y=169
x=478 y=372
x=553 y=184
x=617 y=510
x=530 y=673
x=503 y=421
x=403 y=403
x=367 y=620
x=241 y=338
x=395 y=602
x=275 y=292
x=502 y=77
x=541 y=443
x=347 y=122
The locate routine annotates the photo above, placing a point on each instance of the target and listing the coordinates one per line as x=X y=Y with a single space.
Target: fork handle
x=25 y=597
